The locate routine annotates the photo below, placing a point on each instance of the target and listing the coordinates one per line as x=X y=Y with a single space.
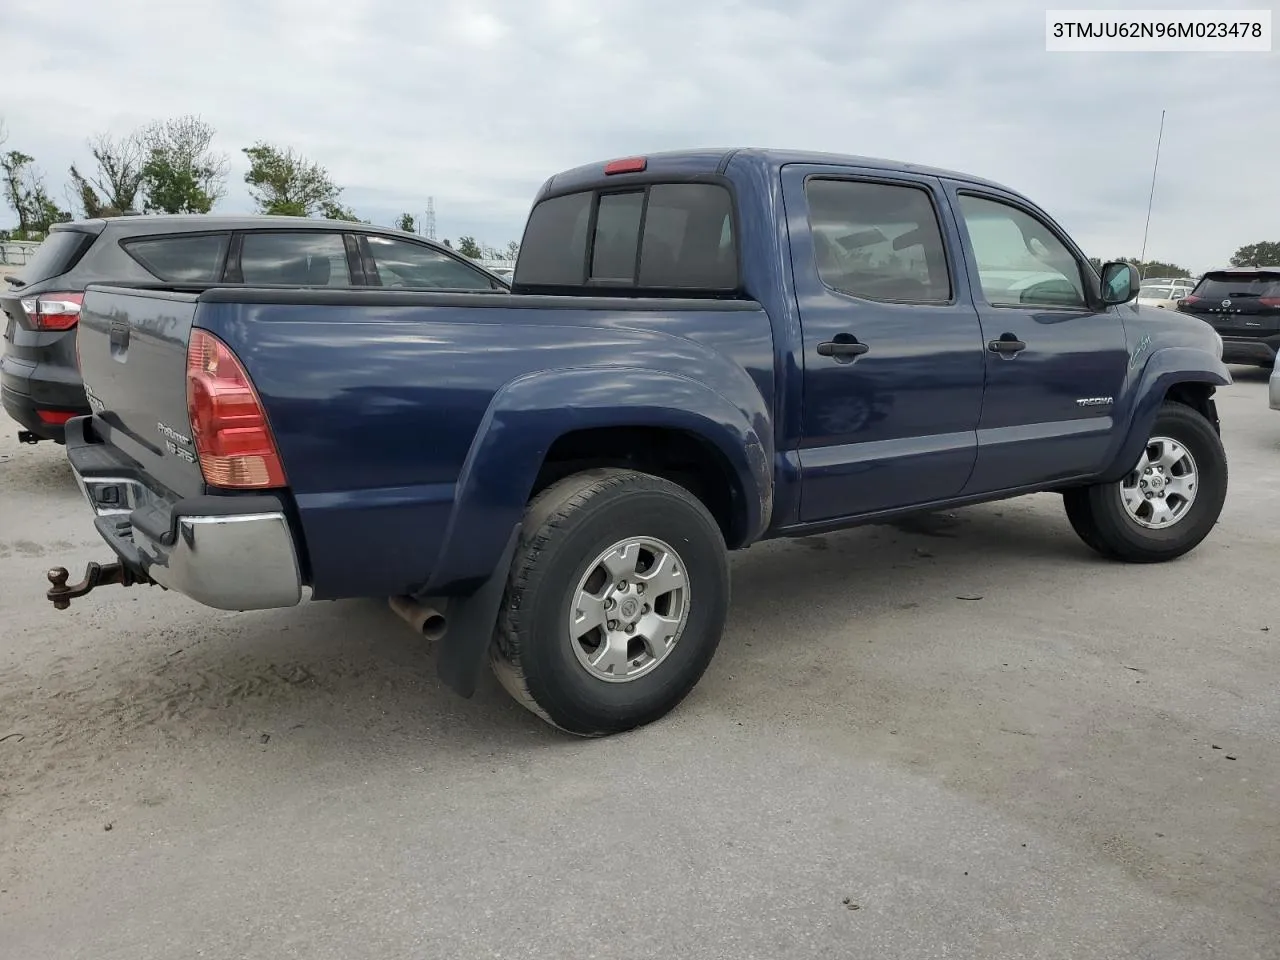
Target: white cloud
x=476 y=103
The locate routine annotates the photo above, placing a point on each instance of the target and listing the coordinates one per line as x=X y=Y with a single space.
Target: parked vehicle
x=1243 y=305
x=39 y=381
x=687 y=363
x=1273 y=388
x=1162 y=294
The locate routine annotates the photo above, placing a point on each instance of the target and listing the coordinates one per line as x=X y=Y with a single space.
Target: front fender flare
x=1164 y=369
x=529 y=414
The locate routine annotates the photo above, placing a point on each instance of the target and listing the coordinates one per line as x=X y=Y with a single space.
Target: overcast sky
x=477 y=102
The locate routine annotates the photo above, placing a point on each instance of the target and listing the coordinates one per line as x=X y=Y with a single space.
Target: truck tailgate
x=133 y=358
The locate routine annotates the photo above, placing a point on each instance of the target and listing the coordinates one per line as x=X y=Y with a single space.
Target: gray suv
x=39 y=377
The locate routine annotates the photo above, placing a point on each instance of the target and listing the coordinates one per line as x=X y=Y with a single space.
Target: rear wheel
x=615 y=604
x=1167 y=503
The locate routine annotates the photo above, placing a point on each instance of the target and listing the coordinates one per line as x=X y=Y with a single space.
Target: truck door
x=1055 y=363
x=892 y=349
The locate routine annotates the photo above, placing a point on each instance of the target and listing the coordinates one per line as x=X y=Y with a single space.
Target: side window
x=299 y=258
x=1020 y=260
x=403 y=263
x=181 y=259
x=878 y=241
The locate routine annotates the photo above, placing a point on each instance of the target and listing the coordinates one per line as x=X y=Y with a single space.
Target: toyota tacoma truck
x=701 y=350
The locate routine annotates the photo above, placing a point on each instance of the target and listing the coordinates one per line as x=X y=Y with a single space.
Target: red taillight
x=54 y=416
x=629 y=165
x=1269 y=301
x=228 y=424
x=54 y=311
x=1188 y=300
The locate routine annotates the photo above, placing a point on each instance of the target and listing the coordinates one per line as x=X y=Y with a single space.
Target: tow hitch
x=95 y=575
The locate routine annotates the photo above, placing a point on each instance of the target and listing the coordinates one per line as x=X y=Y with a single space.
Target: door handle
x=1008 y=346
x=844 y=348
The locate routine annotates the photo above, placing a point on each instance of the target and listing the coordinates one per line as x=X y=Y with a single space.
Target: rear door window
x=181 y=259
x=59 y=252
x=878 y=241
x=662 y=237
x=403 y=263
x=298 y=258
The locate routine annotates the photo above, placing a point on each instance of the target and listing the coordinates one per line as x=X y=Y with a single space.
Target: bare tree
x=120 y=162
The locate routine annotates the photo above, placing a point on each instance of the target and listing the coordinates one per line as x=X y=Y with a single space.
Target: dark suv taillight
x=54 y=311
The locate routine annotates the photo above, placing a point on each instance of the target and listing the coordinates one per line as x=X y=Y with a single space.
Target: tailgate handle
x=119 y=334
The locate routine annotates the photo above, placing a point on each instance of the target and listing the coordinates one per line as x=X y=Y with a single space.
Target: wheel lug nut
x=610 y=603
x=613 y=624
x=645 y=608
x=622 y=584
x=631 y=628
x=639 y=588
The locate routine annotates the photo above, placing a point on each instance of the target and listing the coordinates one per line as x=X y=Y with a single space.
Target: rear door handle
x=1008 y=346
x=845 y=348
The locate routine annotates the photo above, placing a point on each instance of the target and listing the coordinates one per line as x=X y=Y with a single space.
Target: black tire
x=566 y=527
x=1099 y=518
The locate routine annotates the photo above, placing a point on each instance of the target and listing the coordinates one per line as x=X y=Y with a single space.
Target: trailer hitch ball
x=95 y=575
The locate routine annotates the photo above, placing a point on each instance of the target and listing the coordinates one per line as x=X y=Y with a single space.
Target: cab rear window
x=664 y=236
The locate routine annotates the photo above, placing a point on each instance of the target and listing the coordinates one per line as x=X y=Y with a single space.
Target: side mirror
x=1120 y=282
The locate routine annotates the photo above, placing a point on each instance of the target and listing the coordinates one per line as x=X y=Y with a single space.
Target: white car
x=1163 y=294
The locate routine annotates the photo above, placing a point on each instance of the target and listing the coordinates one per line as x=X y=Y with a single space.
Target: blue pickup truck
x=700 y=350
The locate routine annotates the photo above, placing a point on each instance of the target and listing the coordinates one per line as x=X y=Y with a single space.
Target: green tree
x=1265 y=254
x=513 y=249
x=336 y=211
x=181 y=172
x=284 y=182
x=468 y=247
x=26 y=194
x=447 y=243
x=406 y=223
x=1156 y=268
x=1097 y=263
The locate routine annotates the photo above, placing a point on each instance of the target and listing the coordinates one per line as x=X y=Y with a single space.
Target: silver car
x=1274 y=387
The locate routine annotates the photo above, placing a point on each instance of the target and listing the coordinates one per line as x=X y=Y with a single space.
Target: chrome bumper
x=231 y=561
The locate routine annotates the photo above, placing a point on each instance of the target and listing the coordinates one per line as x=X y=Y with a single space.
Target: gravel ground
x=1083 y=762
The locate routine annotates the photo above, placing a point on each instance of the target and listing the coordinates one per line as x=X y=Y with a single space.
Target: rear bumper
x=29 y=386
x=26 y=412
x=1250 y=350
x=228 y=552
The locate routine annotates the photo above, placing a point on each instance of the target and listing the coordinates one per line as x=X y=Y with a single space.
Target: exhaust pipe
x=425 y=620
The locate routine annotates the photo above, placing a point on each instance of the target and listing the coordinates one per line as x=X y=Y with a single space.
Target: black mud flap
x=471 y=623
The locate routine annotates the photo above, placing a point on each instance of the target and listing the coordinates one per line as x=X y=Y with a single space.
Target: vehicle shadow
x=352 y=675
x=1250 y=374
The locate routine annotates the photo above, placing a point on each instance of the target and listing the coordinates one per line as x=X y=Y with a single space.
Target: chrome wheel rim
x=1160 y=490
x=629 y=609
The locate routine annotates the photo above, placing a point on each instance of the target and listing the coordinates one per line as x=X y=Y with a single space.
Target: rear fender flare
x=1163 y=370
x=529 y=414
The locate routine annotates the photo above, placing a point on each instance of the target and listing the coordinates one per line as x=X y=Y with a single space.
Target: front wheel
x=615 y=604
x=1167 y=503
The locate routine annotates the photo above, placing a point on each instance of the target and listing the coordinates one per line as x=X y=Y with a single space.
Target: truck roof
x=707 y=161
